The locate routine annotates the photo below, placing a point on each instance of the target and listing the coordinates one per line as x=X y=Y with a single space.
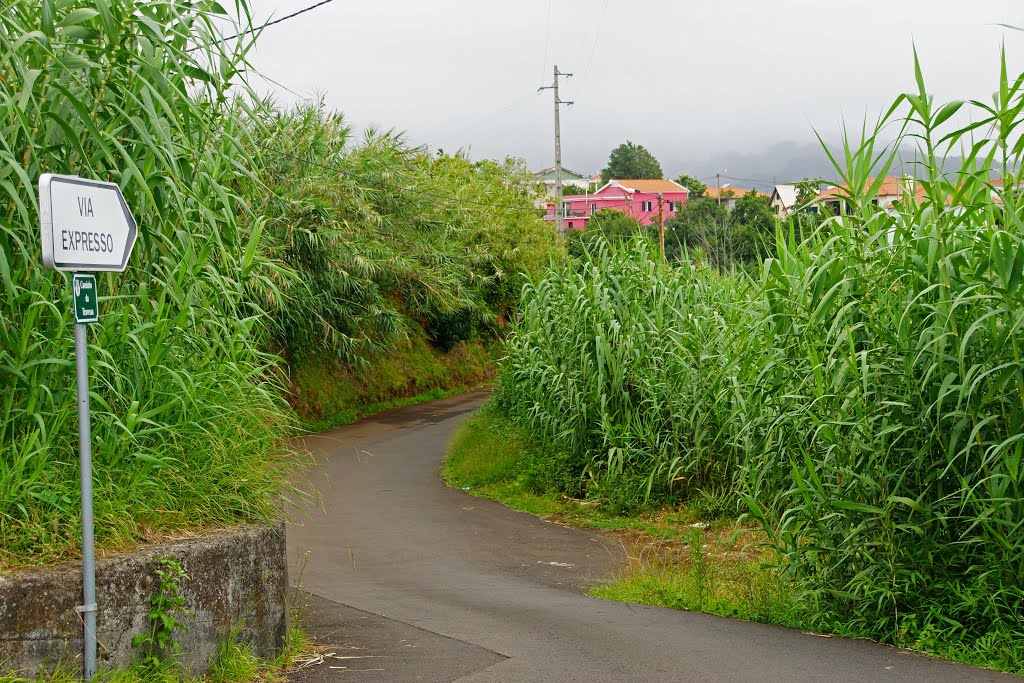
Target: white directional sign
x=86 y=225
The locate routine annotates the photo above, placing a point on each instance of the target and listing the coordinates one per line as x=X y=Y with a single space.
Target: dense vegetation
x=389 y=240
x=186 y=412
x=707 y=231
x=860 y=395
x=264 y=235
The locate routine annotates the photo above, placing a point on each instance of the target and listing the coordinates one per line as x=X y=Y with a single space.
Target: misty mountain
x=784 y=162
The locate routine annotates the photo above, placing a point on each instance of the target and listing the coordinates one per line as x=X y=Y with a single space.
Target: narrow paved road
x=413 y=581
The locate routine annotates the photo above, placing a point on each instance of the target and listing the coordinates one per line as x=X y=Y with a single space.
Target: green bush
x=386 y=238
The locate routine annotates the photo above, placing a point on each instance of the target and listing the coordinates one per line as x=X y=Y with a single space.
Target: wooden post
x=661 y=229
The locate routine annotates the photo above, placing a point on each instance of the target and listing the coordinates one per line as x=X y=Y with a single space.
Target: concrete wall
x=237 y=578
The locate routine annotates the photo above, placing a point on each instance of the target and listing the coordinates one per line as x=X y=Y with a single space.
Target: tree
x=755 y=212
x=723 y=238
x=754 y=215
x=701 y=226
x=696 y=187
x=630 y=162
x=806 y=192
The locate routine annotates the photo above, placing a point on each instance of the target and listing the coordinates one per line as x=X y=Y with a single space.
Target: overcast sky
x=695 y=82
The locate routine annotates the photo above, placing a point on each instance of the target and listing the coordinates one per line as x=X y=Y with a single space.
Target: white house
x=545 y=177
x=784 y=199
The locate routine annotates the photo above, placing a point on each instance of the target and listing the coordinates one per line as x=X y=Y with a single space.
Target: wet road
x=410 y=580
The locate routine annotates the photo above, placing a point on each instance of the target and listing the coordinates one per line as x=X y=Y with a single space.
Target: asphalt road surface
x=408 y=580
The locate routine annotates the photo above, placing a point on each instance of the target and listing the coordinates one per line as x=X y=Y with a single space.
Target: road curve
x=432 y=584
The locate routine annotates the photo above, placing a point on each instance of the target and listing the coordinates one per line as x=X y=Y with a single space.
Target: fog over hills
x=783 y=162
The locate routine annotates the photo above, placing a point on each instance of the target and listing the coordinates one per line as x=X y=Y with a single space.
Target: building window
x=645 y=206
x=671 y=207
x=593 y=207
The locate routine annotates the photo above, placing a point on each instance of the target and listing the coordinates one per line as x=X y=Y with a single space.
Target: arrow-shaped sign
x=86 y=224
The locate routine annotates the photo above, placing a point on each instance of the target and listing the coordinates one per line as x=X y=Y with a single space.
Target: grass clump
x=710 y=572
x=236 y=662
x=487 y=450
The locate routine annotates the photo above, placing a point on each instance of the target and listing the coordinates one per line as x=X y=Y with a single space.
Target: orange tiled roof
x=730 y=191
x=651 y=185
x=891 y=186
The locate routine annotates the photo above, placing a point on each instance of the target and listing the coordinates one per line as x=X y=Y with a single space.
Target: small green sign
x=87 y=308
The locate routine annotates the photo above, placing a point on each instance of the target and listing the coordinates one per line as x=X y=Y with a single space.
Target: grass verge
x=680 y=558
x=328 y=394
x=236 y=662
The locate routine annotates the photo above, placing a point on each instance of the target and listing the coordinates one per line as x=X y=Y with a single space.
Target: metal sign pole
x=85 y=225
x=88 y=608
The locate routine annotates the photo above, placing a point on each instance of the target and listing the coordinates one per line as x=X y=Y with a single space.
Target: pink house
x=636 y=198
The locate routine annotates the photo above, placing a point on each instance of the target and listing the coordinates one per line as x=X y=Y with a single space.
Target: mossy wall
x=327 y=392
x=229 y=589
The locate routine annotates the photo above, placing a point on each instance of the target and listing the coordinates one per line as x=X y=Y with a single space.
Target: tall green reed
x=187 y=416
x=862 y=394
x=627 y=365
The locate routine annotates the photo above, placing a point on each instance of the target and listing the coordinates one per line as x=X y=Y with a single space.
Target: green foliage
x=739 y=589
x=629 y=162
x=486 y=450
x=159 y=645
x=862 y=392
x=606 y=226
x=187 y=417
x=327 y=392
x=696 y=188
x=625 y=365
x=379 y=249
x=755 y=213
x=705 y=229
x=806 y=193
x=236 y=662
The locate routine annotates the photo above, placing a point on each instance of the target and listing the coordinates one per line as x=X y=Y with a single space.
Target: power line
x=760 y=181
x=593 y=48
x=547 y=41
x=269 y=23
x=462 y=130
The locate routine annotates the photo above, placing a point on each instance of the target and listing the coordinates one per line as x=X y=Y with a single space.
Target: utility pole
x=661 y=228
x=559 y=207
x=718 y=177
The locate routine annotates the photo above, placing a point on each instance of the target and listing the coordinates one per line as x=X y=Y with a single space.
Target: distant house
x=784 y=198
x=729 y=194
x=892 y=189
x=545 y=177
x=635 y=198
